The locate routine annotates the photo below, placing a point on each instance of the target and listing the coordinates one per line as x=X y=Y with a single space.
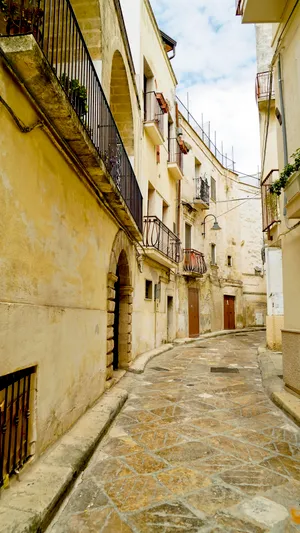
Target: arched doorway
x=120 y=102
x=119 y=306
x=121 y=313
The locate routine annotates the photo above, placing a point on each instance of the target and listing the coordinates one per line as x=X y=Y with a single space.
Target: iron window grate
x=15 y=400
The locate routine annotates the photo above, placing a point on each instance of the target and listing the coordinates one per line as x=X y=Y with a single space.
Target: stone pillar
x=111 y=280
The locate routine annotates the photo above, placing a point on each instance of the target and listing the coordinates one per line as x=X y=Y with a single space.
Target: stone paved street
x=196 y=449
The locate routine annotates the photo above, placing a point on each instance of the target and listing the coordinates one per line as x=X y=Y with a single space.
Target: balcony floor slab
x=27 y=61
x=160 y=258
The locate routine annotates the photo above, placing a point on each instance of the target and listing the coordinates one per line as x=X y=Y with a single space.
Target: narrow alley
x=198 y=447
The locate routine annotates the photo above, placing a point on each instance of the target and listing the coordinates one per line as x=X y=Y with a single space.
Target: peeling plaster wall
x=254 y=284
x=55 y=249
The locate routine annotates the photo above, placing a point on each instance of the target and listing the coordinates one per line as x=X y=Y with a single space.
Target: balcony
x=163 y=246
x=201 y=198
x=258 y=11
x=270 y=202
x=263 y=88
x=175 y=160
x=155 y=109
x=193 y=263
x=44 y=46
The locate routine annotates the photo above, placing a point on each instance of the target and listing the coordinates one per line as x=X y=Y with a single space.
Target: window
x=197 y=168
x=165 y=213
x=213 y=190
x=171 y=134
x=148 y=289
x=229 y=260
x=148 y=87
x=213 y=254
x=188 y=236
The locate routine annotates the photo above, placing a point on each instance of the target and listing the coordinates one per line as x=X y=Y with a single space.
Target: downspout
x=284 y=135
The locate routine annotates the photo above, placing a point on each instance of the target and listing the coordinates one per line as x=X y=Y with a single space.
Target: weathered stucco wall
x=239 y=237
x=55 y=250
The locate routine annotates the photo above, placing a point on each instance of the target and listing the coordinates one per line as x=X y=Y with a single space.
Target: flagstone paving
x=193 y=451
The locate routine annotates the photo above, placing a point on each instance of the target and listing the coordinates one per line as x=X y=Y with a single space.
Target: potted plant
x=77 y=94
x=21 y=19
x=289 y=180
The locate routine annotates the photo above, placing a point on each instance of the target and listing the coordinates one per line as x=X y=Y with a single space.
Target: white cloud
x=215 y=64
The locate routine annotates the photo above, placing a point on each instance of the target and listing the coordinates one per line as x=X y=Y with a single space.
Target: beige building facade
x=99 y=177
x=231 y=287
x=280 y=21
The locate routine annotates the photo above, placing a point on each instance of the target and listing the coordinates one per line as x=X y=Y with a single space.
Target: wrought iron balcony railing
x=263 y=87
x=202 y=190
x=56 y=30
x=15 y=400
x=153 y=111
x=270 y=202
x=175 y=155
x=159 y=236
x=194 y=262
x=239 y=7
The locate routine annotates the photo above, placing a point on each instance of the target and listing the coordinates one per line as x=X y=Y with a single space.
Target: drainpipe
x=284 y=135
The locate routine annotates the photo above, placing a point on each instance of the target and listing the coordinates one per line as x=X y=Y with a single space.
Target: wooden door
x=229 y=312
x=194 y=313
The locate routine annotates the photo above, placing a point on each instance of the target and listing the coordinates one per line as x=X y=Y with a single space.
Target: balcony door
x=188 y=236
x=193 y=300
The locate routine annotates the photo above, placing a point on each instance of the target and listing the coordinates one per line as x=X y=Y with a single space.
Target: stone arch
x=120 y=102
x=119 y=306
x=88 y=16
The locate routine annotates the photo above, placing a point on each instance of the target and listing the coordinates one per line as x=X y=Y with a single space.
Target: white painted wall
x=264 y=35
x=132 y=16
x=274 y=281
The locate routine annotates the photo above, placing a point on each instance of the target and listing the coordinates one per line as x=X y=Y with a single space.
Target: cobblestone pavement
x=196 y=449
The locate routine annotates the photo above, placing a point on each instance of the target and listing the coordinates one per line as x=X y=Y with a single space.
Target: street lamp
x=215 y=227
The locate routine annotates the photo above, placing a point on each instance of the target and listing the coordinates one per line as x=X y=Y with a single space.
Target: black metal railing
x=270 y=201
x=239 y=7
x=263 y=88
x=153 y=112
x=202 y=190
x=55 y=27
x=194 y=262
x=175 y=155
x=206 y=137
x=159 y=236
x=15 y=401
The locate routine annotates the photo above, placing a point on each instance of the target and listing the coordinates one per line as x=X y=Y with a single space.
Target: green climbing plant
x=288 y=170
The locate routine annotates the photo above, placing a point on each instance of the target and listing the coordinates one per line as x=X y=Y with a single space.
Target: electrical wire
x=235 y=207
x=256 y=197
x=18 y=121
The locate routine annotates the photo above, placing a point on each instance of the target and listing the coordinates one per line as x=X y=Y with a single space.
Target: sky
x=215 y=64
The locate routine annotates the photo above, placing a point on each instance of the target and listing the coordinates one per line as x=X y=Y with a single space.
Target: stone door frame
x=120 y=255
